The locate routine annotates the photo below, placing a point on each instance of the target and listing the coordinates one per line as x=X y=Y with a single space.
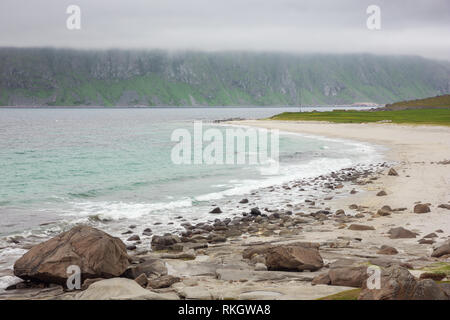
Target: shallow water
x=112 y=168
x=61 y=166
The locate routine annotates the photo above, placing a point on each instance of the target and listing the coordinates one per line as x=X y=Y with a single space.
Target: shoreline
x=416 y=149
x=218 y=269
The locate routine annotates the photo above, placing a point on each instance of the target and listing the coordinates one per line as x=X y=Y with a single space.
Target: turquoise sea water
x=66 y=165
x=112 y=168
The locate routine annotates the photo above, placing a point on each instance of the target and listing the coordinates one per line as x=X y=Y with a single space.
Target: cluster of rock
x=109 y=272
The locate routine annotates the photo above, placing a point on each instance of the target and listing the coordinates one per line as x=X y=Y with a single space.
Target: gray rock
x=421 y=208
x=398 y=284
x=388 y=250
x=216 y=210
x=98 y=255
x=164 y=242
x=121 y=289
x=392 y=172
x=162 y=282
x=260 y=267
x=360 y=227
x=293 y=258
x=441 y=250
x=401 y=233
x=149 y=267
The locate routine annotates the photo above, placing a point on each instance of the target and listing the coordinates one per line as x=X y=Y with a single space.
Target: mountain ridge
x=68 y=77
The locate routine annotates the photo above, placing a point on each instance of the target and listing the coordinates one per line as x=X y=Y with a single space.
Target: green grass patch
x=417 y=116
x=434 y=102
x=344 y=295
x=438 y=267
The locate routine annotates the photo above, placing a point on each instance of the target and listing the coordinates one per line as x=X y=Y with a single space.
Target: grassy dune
x=416 y=116
x=433 y=102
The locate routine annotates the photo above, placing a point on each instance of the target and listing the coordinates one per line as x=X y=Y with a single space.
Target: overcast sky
x=417 y=27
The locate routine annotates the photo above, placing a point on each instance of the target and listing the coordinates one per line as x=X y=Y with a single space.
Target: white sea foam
x=287 y=173
x=9 y=255
x=124 y=210
x=7 y=281
x=360 y=153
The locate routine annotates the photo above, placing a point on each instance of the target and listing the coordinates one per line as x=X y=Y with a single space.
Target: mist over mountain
x=63 y=77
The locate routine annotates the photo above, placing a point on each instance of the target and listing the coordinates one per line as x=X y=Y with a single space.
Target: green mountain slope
x=57 y=77
x=432 y=102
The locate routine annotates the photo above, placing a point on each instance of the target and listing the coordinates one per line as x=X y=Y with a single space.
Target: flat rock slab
x=121 y=289
x=33 y=294
x=293 y=292
x=182 y=268
x=239 y=275
x=285 y=290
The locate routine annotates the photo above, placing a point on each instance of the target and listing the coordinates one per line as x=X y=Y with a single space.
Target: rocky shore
x=393 y=216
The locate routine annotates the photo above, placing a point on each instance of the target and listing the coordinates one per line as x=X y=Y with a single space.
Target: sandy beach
x=417 y=150
x=215 y=262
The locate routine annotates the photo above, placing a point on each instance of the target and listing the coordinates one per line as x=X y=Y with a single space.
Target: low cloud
x=413 y=27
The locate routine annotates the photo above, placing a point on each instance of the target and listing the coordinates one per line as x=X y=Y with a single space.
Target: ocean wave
x=287 y=173
x=106 y=210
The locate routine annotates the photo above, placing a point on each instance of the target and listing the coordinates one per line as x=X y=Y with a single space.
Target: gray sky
x=418 y=27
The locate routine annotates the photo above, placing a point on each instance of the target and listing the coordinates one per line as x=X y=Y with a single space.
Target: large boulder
x=397 y=283
x=293 y=258
x=441 y=250
x=96 y=253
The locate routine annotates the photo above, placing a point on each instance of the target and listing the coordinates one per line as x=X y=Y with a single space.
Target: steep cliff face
x=125 y=78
